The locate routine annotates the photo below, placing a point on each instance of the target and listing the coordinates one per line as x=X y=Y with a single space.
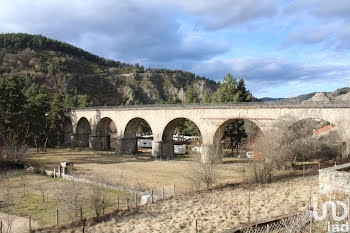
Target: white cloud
x=273 y=75
x=124 y=30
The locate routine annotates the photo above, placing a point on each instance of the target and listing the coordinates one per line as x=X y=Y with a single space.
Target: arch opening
x=83 y=132
x=138 y=136
x=317 y=139
x=181 y=136
x=237 y=138
x=106 y=134
x=67 y=131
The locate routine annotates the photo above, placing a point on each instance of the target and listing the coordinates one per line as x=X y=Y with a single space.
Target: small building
x=180 y=149
x=144 y=143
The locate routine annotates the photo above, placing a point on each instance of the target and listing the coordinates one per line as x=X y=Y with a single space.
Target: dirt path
x=19 y=224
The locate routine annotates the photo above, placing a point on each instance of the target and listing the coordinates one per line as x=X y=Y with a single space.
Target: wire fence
x=299 y=222
x=302 y=222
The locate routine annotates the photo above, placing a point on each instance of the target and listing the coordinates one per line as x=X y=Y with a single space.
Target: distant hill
x=268 y=99
x=61 y=67
x=341 y=94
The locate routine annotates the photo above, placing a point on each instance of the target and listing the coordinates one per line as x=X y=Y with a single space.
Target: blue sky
x=281 y=48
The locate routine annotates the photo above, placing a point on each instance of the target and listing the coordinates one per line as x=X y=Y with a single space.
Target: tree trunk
x=45 y=144
x=231 y=138
x=36 y=145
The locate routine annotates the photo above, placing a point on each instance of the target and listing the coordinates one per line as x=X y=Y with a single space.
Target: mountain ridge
x=61 y=67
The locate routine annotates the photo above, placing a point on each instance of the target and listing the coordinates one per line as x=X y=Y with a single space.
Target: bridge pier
x=209 y=150
x=80 y=140
x=100 y=142
x=68 y=138
x=126 y=146
x=163 y=150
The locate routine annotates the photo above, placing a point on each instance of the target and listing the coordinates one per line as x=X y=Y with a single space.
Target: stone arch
x=132 y=126
x=67 y=131
x=128 y=144
x=219 y=133
x=105 y=135
x=167 y=148
x=83 y=132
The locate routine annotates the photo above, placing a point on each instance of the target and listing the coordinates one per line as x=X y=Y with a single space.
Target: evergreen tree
x=172 y=99
x=56 y=119
x=83 y=102
x=206 y=99
x=13 y=121
x=191 y=96
x=70 y=102
x=36 y=109
x=230 y=91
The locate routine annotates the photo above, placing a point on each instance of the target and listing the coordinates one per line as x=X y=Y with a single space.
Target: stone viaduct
x=96 y=126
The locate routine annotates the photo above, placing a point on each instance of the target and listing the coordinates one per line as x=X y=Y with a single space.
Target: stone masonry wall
x=334 y=179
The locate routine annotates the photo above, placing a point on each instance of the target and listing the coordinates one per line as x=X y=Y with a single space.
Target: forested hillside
x=40 y=78
x=77 y=74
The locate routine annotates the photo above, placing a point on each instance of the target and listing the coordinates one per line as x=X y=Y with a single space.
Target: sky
x=281 y=48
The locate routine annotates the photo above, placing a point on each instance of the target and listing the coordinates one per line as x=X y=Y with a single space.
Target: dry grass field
x=140 y=172
x=44 y=213
x=215 y=210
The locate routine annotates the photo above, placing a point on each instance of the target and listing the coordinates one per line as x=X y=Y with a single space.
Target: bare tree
x=23 y=180
x=42 y=188
x=10 y=151
x=208 y=165
x=7 y=199
x=72 y=197
x=97 y=196
x=290 y=141
x=342 y=128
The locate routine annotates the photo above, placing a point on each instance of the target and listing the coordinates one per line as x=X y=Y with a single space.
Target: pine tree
x=191 y=96
x=83 y=102
x=230 y=91
x=36 y=108
x=206 y=99
x=13 y=121
x=56 y=119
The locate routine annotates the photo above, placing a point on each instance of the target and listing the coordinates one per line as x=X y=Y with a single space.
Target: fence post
x=174 y=189
x=196 y=226
x=118 y=203
x=319 y=165
x=56 y=217
x=349 y=210
x=54 y=172
x=311 y=221
x=303 y=170
x=81 y=213
x=135 y=200
x=249 y=207
x=30 y=223
x=310 y=198
x=127 y=202
x=152 y=196
x=163 y=193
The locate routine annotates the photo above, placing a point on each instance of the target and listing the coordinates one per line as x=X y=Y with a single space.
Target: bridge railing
x=279 y=103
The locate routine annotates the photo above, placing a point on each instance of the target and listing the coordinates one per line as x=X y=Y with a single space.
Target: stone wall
x=335 y=178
